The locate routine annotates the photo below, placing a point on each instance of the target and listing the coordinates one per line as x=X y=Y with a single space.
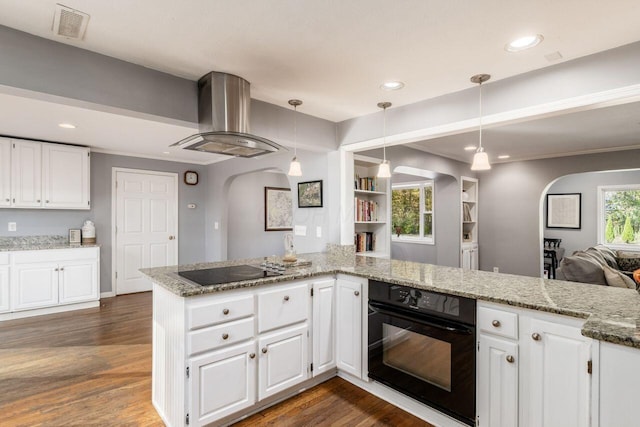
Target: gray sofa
x=600 y=265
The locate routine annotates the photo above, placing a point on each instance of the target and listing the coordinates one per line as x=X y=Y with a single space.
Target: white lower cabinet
x=619 y=377
x=78 y=281
x=222 y=382
x=349 y=326
x=324 y=326
x=283 y=360
x=533 y=369
x=34 y=286
x=4 y=284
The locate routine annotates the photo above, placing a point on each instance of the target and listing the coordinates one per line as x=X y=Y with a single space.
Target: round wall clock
x=191 y=177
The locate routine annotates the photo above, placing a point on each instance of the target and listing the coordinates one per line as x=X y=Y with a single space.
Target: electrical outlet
x=300 y=230
x=318 y=231
x=216 y=225
x=12 y=226
x=496 y=270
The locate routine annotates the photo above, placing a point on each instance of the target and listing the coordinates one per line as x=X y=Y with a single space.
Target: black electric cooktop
x=220 y=275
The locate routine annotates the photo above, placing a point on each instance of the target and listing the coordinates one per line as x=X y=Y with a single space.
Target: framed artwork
x=564 y=210
x=75 y=236
x=278 y=209
x=310 y=194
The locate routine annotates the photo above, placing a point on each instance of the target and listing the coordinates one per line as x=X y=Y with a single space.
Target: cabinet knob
x=225 y=311
x=496 y=323
x=55 y=269
x=225 y=336
x=286 y=297
x=252 y=356
x=536 y=336
x=38 y=201
x=46 y=201
x=264 y=350
x=511 y=359
x=172 y=237
x=61 y=268
x=356 y=293
x=7 y=200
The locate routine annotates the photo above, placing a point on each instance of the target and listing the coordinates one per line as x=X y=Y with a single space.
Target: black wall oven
x=423 y=344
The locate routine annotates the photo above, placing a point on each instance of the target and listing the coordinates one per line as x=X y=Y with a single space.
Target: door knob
x=225 y=311
x=496 y=323
x=172 y=237
x=511 y=359
x=225 y=336
x=356 y=293
x=286 y=297
x=252 y=356
x=536 y=336
x=264 y=350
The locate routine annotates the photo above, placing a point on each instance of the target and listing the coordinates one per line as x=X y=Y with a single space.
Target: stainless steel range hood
x=223 y=119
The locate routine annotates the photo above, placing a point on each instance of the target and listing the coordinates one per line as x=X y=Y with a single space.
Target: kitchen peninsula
x=222 y=352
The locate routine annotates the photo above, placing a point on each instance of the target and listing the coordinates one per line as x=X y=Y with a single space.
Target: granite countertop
x=612 y=314
x=36 y=243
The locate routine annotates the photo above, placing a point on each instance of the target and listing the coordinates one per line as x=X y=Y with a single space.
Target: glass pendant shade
x=294 y=168
x=480 y=161
x=384 y=171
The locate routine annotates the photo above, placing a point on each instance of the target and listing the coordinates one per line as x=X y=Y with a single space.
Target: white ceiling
x=333 y=55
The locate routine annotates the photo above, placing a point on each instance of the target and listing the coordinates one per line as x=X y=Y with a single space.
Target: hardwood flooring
x=93 y=368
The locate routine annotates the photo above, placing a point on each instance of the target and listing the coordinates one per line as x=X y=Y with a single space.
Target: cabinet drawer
x=211 y=313
x=283 y=306
x=4 y=258
x=498 y=322
x=220 y=335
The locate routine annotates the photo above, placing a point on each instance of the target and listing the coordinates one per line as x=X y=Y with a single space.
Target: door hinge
x=116 y=274
x=477 y=420
x=88 y=202
x=478 y=345
x=187 y=419
x=88 y=154
x=187 y=372
x=311 y=291
x=312 y=367
x=589 y=367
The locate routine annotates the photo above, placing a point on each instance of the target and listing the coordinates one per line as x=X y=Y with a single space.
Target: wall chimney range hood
x=223 y=119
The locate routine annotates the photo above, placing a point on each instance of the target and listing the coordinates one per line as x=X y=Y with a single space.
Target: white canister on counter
x=88 y=232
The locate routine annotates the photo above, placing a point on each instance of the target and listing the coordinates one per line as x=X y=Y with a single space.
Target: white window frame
x=410 y=239
x=600 y=220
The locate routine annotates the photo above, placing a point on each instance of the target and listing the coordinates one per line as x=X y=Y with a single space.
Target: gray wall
x=586 y=184
x=33 y=222
x=247 y=237
x=510 y=206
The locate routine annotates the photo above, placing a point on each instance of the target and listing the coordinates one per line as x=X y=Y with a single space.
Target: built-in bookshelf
x=469 y=218
x=371 y=209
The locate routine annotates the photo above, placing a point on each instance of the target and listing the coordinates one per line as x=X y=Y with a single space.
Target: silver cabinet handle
x=225 y=336
x=356 y=293
x=496 y=323
x=252 y=356
x=286 y=297
x=511 y=359
x=225 y=311
x=264 y=350
x=536 y=336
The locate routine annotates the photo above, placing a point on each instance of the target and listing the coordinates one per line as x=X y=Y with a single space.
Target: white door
x=65 y=171
x=34 y=286
x=26 y=173
x=349 y=332
x=5 y=172
x=146 y=226
x=324 y=326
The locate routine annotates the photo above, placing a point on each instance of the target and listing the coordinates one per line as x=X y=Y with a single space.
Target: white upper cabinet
x=26 y=174
x=42 y=175
x=5 y=172
x=65 y=176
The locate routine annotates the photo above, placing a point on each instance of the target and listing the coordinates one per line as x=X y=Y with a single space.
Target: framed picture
x=278 y=209
x=75 y=236
x=564 y=210
x=310 y=194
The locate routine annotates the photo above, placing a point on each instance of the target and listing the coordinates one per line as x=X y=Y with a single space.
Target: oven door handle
x=420 y=318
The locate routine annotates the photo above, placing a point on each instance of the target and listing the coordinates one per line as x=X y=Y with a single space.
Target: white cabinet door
x=283 y=360
x=324 y=326
x=78 y=281
x=349 y=326
x=4 y=289
x=558 y=392
x=497 y=382
x=221 y=383
x=5 y=172
x=34 y=286
x=26 y=173
x=65 y=176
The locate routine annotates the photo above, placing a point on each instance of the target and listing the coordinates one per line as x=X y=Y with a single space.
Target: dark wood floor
x=93 y=368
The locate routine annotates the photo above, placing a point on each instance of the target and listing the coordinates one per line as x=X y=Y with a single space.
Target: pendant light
x=294 y=168
x=384 y=170
x=480 y=159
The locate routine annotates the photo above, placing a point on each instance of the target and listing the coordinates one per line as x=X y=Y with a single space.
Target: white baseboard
x=48 y=310
x=109 y=294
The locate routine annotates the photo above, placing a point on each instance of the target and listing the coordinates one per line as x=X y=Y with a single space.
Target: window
x=412 y=206
x=619 y=215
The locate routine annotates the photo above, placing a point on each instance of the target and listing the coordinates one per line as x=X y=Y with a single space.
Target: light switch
x=301 y=230
x=318 y=231
x=12 y=226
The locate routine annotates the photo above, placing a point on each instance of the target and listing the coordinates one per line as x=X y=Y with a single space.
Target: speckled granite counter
x=36 y=243
x=613 y=314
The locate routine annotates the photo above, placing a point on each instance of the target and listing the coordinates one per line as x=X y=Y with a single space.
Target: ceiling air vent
x=70 y=23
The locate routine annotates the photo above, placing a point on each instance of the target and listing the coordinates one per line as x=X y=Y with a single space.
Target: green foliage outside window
x=406 y=213
x=622 y=209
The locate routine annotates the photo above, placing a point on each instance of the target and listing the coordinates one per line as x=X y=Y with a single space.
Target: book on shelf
x=466 y=212
x=366 y=210
x=369 y=183
x=365 y=241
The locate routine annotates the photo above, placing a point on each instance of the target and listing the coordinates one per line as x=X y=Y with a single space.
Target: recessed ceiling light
x=523 y=43
x=166 y=152
x=504 y=156
x=67 y=126
x=392 y=85
x=470 y=148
